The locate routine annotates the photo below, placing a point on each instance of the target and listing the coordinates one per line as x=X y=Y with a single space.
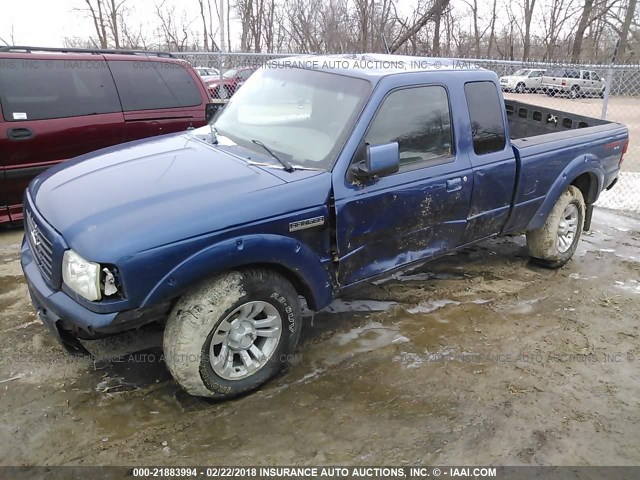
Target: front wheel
x=555 y=243
x=520 y=88
x=231 y=335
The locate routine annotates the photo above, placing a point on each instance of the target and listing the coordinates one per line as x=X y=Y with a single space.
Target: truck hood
x=150 y=192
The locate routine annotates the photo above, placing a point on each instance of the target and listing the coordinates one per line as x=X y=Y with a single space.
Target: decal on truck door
x=307 y=223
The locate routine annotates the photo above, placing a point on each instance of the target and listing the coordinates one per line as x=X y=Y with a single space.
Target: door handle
x=454 y=184
x=19 y=133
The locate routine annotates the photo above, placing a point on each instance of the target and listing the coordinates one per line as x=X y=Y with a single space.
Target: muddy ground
x=479 y=358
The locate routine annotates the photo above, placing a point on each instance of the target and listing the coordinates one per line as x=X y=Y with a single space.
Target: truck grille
x=40 y=246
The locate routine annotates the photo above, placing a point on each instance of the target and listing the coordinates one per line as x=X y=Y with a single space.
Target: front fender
x=578 y=166
x=283 y=252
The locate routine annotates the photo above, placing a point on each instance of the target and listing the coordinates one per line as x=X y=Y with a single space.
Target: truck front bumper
x=67 y=320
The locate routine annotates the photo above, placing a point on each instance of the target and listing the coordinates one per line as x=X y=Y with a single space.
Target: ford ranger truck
x=318 y=175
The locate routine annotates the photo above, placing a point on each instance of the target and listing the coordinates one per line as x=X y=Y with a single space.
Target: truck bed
x=551 y=144
x=526 y=120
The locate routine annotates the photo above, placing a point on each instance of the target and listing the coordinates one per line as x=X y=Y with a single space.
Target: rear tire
x=230 y=335
x=555 y=243
x=575 y=92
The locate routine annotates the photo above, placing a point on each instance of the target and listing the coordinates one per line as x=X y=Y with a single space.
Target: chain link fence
x=613 y=94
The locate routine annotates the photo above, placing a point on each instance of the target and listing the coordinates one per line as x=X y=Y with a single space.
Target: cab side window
x=419 y=120
x=485 y=111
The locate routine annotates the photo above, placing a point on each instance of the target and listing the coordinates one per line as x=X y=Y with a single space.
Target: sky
x=46 y=23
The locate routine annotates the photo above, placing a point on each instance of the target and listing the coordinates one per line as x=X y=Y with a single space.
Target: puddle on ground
x=131 y=371
x=432 y=306
x=343 y=306
x=630 y=285
x=599 y=242
x=523 y=307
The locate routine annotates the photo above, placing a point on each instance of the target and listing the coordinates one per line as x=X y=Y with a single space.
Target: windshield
x=230 y=73
x=303 y=116
x=521 y=73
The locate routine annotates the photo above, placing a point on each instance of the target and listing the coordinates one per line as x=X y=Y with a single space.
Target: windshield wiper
x=214 y=134
x=287 y=166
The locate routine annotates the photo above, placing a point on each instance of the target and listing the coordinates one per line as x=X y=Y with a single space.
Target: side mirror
x=380 y=160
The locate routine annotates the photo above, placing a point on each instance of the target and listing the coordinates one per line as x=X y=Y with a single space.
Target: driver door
x=418 y=212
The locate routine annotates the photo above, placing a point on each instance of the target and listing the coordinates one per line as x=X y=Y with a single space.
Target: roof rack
x=94 y=51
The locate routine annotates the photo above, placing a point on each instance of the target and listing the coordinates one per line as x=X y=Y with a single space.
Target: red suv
x=231 y=81
x=56 y=104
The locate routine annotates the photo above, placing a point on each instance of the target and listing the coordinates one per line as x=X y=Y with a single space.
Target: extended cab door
x=492 y=160
x=53 y=110
x=418 y=212
x=157 y=97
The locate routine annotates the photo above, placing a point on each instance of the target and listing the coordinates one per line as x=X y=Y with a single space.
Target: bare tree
x=585 y=21
x=545 y=29
x=108 y=17
x=99 y=17
x=174 y=30
x=11 y=38
x=554 y=18
x=437 y=8
x=506 y=45
x=208 y=32
x=492 y=28
x=473 y=8
x=527 y=7
x=624 y=31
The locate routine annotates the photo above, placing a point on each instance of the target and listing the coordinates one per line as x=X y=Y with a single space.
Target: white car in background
x=207 y=73
x=526 y=79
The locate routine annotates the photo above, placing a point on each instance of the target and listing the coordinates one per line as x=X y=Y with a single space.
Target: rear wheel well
x=587 y=183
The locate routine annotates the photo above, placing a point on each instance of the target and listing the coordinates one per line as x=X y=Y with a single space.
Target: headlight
x=81 y=276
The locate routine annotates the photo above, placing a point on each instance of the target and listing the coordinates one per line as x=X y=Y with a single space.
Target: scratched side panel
x=388 y=227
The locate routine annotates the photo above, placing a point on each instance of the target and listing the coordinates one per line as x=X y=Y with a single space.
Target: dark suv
x=57 y=104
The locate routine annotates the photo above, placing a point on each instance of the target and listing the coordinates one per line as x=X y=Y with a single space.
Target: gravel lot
x=478 y=358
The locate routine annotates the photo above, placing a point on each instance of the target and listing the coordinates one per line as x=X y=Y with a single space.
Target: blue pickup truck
x=321 y=173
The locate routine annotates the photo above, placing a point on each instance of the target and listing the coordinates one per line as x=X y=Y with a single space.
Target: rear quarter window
x=145 y=85
x=485 y=112
x=48 y=89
